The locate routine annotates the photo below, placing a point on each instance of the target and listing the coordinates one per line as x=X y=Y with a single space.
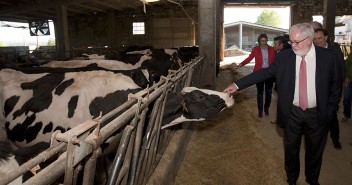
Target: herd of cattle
x=37 y=101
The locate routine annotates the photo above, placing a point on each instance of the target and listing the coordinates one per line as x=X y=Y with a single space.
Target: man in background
x=321 y=39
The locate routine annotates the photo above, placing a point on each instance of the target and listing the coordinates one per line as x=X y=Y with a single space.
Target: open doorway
x=242 y=25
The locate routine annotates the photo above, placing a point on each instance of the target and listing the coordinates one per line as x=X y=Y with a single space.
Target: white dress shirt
x=310 y=59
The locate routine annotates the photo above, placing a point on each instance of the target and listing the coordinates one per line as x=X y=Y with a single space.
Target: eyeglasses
x=263 y=40
x=296 y=42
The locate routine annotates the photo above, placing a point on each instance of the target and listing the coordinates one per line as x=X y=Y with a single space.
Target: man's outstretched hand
x=231 y=89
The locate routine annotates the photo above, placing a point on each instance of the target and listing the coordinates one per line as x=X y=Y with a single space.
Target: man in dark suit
x=321 y=40
x=308 y=89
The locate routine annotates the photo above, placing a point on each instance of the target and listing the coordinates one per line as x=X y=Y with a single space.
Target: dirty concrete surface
x=238 y=148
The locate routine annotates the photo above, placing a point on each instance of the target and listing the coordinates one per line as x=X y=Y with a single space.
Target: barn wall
x=164 y=28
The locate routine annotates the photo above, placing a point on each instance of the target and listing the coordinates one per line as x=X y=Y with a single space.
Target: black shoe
x=313 y=183
x=266 y=111
x=337 y=145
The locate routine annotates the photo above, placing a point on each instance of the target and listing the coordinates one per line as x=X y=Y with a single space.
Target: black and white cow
x=33 y=109
x=12 y=158
x=156 y=61
x=140 y=76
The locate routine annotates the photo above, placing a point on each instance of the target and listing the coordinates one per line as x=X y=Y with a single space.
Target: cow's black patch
x=42 y=93
x=72 y=105
x=22 y=155
x=10 y=103
x=173 y=108
x=32 y=131
x=48 y=128
x=62 y=87
x=24 y=131
x=131 y=58
x=109 y=102
x=62 y=129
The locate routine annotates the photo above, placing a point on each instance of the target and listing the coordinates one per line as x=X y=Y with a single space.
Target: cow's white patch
x=107 y=64
x=141 y=60
x=144 y=52
x=170 y=51
x=11 y=75
x=180 y=120
x=146 y=74
x=226 y=97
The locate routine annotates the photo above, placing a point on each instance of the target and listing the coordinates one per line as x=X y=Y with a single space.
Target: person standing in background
x=264 y=56
x=347 y=91
x=280 y=44
x=315 y=25
x=321 y=39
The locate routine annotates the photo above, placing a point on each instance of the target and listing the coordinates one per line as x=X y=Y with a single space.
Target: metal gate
x=141 y=141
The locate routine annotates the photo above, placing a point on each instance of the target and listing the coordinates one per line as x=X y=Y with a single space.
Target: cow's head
x=194 y=104
x=161 y=61
x=141 y=77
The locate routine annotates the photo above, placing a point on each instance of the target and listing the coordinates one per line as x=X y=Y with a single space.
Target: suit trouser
x=347 y=100
x=260 y=93
x=304 y=123
x=334 y=128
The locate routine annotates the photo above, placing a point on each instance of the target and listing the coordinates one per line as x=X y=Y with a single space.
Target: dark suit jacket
x=328 y=83
x=340 y=58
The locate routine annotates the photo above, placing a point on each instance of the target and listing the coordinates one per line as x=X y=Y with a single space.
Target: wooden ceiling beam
x=90 y=7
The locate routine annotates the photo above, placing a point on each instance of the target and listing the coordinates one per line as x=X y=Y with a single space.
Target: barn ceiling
x=24 y=10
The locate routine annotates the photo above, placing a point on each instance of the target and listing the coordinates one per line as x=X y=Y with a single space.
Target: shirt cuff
x=236 y=86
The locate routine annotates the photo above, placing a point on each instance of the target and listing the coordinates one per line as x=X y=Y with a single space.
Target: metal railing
x=141 y=142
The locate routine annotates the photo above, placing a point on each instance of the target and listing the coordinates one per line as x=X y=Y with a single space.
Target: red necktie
x=303 y=97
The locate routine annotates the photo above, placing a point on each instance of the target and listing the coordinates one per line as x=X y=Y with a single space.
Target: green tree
x=269 y=18
x=51 y=42
x=3 y=44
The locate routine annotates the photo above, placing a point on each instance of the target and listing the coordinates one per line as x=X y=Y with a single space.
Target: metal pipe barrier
x=140 y=147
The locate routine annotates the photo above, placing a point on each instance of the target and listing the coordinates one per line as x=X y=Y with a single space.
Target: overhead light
x=146 y=2
x=150 y=1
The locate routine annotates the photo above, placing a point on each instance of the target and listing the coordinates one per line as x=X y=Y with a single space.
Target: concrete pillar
x=240 y=34
x=329 y=14
x=111 y=29
x=221 y=31
x=61 y=31
x=207 y=41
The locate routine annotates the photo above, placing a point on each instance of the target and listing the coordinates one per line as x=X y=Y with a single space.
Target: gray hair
x=305 y=28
